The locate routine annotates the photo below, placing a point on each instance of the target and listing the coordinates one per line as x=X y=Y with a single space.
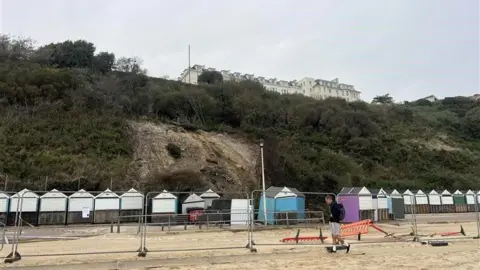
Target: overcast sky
x=408 y=48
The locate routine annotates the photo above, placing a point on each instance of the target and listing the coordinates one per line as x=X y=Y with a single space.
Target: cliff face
x=217 y=161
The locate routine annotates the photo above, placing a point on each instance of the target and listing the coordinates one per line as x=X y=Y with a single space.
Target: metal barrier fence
x=422 y=212
x=267 y=215
x=167 y=231
x=210 y=220
x=104 y=213
x=192 y=206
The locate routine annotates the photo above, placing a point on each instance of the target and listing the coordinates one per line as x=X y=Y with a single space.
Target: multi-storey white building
x=315 y=88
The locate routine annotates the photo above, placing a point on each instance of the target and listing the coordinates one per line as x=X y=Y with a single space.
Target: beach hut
x=28 y=208
x=282 y=204
x=396 y=205
x=131 y=206
x=106 y=207
x=435 y=201
x=80 y=207
x=239 y=211
x=460 y=202
x=4 y=201
x=164 y=208
x=421 y=202
x=379 y=204
x=447 y=202
x=53 y=208
x=408 y=199
x=358 y=203
x=470 y=198
x=223 y=206
x=208 y=196
x=193 y=203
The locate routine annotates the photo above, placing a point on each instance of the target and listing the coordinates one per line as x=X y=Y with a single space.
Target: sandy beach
x=460 y=254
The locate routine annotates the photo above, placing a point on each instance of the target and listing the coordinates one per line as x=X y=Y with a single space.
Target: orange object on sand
x=356 y=228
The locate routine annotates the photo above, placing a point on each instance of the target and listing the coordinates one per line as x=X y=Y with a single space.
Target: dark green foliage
x=70 y=123
x=385 y=99
x=210 y=77
x=174 y=150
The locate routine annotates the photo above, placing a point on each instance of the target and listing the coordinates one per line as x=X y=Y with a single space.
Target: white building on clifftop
x=315 y=88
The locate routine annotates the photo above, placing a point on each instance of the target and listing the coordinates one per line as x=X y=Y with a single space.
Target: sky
x=409 y=48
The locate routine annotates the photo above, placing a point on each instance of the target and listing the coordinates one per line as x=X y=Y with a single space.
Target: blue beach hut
x=282 y=201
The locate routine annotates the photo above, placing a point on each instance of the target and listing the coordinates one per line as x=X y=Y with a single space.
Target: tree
x=15 y=48
x=210 y=77
x=130 y=65
x=472 y=122
x=104 y=62
x=385 y=99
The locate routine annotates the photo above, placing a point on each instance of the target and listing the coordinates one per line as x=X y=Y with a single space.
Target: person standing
x=337 y=214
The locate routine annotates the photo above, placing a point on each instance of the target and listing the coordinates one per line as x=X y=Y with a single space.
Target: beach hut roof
x=434 y=192
x=446 y=193
x=82 y=194
x=420 y=193
x=279 y=192
x=209 y=194
x=25 y=193
x=378 y=193
x=346 y=190
x=132 y=193
x=107 y=194
x=4 y=195
x=458 y=192
x=408 y=192
x=165 y=195
x=395 y=192
x=355 y=191
x=469 y=192
x=193 y=198
x=54 y=194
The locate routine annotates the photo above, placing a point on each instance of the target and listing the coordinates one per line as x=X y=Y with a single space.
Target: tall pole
x=189 y=70
x=263 y=184
x=477 y=210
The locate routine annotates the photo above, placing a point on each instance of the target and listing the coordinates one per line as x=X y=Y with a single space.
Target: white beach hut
x=28 y=208
x=131 y=206
x=80 y=207
x=53 y=208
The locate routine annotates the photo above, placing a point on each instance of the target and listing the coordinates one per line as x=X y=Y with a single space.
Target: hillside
x=69 y=114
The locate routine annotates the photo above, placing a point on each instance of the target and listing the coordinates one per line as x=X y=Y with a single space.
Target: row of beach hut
x=437 y=201
x=56 y=208
x=283 y=203
x=378 y=204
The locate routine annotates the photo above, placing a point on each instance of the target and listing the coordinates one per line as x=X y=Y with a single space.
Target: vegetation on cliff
x=64 y=107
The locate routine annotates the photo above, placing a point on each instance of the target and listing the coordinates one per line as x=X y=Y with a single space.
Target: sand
x=460 y=254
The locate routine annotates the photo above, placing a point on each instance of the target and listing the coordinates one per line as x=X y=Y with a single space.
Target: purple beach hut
x=357 y=201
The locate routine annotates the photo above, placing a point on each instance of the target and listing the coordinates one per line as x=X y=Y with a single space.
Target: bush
x=174 y=150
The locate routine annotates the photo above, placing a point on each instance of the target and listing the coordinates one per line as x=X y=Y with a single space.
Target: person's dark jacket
x=335 y=212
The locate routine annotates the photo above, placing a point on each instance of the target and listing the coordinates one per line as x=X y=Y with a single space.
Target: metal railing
x=420 y=211
x=164 y=230
x=19 y=222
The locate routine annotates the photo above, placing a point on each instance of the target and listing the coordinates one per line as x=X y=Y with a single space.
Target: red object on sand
x=304 y=239
x=449 y=233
